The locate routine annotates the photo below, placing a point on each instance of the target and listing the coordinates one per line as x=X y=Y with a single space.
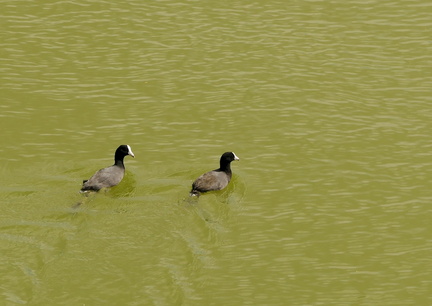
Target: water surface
x=327 y=104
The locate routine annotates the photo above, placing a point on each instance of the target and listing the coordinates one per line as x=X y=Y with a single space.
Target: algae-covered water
x=327 y=104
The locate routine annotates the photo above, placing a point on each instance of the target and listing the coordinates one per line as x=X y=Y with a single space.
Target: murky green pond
x=327 y=103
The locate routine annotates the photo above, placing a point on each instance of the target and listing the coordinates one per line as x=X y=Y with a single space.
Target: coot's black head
x=123 y=151
x=227 y=158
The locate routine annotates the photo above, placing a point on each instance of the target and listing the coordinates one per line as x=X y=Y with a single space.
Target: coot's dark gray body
x=110 y=176
x=217 y=179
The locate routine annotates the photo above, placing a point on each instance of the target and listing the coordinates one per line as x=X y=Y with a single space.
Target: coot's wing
x=106 y=177
x=213 y=180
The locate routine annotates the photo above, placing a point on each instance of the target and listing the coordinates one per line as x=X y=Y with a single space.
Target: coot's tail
x=194 y=193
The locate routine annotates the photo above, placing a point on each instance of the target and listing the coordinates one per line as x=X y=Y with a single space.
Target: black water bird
x=217 y=179
x=110 y=176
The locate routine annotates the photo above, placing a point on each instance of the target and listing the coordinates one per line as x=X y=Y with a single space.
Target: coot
x=216 y=179
x=110 y=176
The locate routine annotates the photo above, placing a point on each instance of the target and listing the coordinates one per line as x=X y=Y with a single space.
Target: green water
x=327 y=104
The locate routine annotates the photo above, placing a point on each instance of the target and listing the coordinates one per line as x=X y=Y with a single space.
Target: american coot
x=216 y=179
x=110 y=176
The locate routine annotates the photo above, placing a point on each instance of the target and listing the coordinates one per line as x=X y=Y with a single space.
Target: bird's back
x=213 y=180
x=106 y=177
